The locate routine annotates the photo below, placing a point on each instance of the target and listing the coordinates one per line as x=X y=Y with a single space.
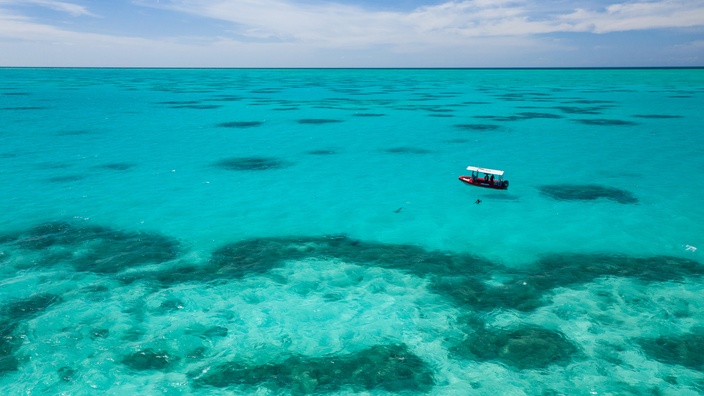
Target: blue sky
x=352 y=33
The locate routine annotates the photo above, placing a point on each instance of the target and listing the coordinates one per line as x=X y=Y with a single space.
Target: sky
x=351 y=33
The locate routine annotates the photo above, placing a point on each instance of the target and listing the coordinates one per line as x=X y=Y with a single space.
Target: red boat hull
x=481 y=182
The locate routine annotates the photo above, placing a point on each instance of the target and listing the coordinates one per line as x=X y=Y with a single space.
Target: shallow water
x=304 y=231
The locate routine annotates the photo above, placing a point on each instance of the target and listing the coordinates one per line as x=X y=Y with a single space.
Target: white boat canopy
x=486 y=170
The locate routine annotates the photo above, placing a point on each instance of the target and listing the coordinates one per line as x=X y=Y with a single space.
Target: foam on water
x=304 y=232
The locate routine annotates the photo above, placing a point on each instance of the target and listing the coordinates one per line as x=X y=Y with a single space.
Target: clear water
x=304 y=231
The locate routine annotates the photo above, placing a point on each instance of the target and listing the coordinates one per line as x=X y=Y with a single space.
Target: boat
x=488 y=181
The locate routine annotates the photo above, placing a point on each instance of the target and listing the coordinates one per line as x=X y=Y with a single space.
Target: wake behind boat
x=488 y=181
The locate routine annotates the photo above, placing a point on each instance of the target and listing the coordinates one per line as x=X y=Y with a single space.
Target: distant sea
x=304 y=231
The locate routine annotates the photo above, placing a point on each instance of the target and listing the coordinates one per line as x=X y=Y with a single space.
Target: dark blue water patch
x=16 y=93
x=587 y=192
x=251 y=164
x=94 y=248
x=657 y=116
x=471 y=103
x=23 y=108
x=196 y=107
x=580 y=110
x=591 y=101
x=225 y=98
x=407 y=150
x=369 y=114
x=526 y=115
x=149 y=359
x=527 y=347
x=180 y=102
x=240 y=124
x=526 y=97
x=685 y=350
x=266 y=91
x=117 y=166
x=478 y=127
x=390 y=368
x=318 y=121
x=322 y=152
x=285 y=108
x=66 y=178
x=606 y=122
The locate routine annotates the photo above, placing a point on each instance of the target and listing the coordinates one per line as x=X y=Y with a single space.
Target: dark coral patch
x=606 y=122
x=95 y=248
x=180 y=102
x=67 y=374
x=685 y=350
x=527 y=115
x=523 y=348
x=657 y=116
x=322 y=152
x=369 y=114
x=580 y=110
x=251 y=163
x=557 y=270
x=23 y=108
x=478 y=127
x=149 y=359
x=26 y=307
x=407 y=150
x=257 y=256
x=196 y=106
x=533 y=115
x=8 y=344
x=240 y=124
x=171 y=305
x=99 y=333
x=66 y=178
x=317 y=121
x=587 y=192
x=117 y=166
x=11 y=314
x=391 y=368
x=215 y=331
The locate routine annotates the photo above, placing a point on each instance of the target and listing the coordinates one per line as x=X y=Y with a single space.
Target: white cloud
x=61 y=6
x=262 y=33
x=638 y=16
x=454 y=20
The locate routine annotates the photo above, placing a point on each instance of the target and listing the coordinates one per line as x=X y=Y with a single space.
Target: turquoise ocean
x=304 y=231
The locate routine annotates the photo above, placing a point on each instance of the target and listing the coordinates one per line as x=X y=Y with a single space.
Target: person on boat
x=492 y=179
x=486 y=177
